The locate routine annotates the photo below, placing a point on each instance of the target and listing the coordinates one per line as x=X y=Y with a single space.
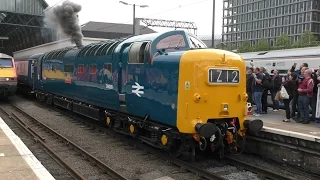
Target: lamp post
x=213 y=17
x=134 y=12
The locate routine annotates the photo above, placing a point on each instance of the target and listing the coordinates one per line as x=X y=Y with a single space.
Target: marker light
x=225 y=107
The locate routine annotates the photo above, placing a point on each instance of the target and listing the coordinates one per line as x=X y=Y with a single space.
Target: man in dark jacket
x=275 y=87
x=266 y=85
x=249 y=83
x=313 y=102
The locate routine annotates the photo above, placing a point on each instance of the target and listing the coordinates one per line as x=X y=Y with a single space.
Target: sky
x=197 y=11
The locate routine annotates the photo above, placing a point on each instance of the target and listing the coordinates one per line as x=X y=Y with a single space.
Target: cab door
x=133 y=76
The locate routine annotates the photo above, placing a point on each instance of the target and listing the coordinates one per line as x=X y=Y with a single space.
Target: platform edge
x=36 y=166
x=291 y=134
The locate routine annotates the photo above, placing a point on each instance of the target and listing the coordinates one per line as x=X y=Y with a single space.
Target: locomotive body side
x=162 y=88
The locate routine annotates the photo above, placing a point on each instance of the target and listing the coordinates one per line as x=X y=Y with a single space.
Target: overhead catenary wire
x=181 y=6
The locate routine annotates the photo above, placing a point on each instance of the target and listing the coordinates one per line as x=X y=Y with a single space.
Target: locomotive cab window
x=171 y=42
x=196 y=43
x=5 y=63
x=137 y=53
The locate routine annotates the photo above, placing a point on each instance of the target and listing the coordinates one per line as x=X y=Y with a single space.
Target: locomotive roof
x=4 y=56
x=102 y=48
x=296 y=52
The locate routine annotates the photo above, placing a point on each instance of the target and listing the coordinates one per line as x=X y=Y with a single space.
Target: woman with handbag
x=290 y=86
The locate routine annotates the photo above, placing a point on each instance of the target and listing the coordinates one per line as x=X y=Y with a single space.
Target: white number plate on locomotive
x=223 y=76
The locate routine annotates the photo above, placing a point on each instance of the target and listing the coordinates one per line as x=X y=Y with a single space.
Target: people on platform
x=250 y=78
x=305 y=91
x=266 y=84
x=301 y=86
x=275 y=87
x=316 y=80
x=290 y=85
x=257 y=90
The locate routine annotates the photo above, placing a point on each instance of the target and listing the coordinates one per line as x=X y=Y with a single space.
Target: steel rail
x=93 y=159
x=201 y=172
x=182 y=164
x=255 y=169
x=73 y=172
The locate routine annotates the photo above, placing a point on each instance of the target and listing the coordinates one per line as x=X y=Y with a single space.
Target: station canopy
x=22 y=26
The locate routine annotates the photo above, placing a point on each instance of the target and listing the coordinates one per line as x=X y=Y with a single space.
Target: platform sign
x=318 y=103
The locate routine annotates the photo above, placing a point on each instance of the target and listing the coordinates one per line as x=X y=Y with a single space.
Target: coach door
x=33 y=72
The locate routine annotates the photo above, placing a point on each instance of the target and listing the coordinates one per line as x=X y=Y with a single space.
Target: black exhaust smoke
x=65 y=18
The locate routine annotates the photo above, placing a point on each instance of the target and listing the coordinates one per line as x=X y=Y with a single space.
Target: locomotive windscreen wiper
x=178 y=43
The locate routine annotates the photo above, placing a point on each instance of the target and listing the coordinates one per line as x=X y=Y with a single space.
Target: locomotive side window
x=93 y=68
x=134 y=53
x=80 y=68
x=147 y=52
x=108 y=66
x=173 y=41
x=68 y=68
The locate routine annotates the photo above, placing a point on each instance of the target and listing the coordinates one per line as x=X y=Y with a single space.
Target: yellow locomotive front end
x=8 y=76
x=212 y=100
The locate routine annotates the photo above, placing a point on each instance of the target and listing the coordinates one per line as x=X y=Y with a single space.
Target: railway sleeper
x=154 y=134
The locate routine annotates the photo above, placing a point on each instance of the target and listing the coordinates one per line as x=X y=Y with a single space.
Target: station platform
x=273 y=123
x=16 y=160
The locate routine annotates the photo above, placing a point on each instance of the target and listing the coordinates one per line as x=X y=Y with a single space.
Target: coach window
x=135 y=56
x=93 y=68
x=80 y=68
x=171 y=42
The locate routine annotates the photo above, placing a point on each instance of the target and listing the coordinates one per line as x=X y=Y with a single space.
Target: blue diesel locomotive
x=167 y=89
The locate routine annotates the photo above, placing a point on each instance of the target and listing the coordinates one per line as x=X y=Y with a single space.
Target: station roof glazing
x=20 y=24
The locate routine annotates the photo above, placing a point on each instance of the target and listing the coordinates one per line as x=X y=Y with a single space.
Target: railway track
x=57 y=145
x=201 y=172
x=180 y=163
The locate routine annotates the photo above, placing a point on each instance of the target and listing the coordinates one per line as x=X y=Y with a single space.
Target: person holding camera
x=257 y=90
x=299 y=74
x=305 y=91
x=291 y=85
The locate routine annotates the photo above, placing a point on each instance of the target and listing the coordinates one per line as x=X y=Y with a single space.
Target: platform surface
x=273 y=123
x=16 y=160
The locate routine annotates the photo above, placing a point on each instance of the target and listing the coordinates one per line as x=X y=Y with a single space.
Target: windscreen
x=5 y=63
x=196 y=43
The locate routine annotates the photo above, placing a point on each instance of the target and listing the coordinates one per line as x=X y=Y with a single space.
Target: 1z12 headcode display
x=223 y=76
